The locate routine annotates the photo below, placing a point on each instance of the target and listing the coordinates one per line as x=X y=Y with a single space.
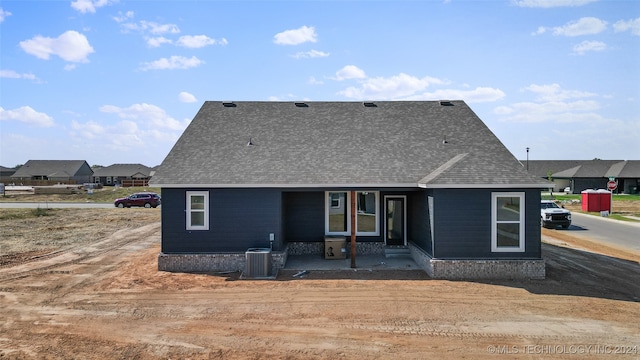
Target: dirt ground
x=90 y=289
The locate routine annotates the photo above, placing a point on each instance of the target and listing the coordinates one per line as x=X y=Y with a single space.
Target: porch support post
x=353 y=229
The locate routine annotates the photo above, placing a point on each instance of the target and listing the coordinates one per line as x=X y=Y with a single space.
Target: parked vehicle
x=552 y=215
x=146 y=199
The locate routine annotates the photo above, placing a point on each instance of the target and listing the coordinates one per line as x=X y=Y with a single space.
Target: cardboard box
x=335 y=247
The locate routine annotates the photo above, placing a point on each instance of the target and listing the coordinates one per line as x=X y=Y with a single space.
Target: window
x=367 y=219
x=507 y=222
x=338 y=213
x=197 y=210
x=335 y=200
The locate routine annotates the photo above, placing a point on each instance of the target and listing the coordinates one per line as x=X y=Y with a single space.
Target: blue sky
x=118 y=81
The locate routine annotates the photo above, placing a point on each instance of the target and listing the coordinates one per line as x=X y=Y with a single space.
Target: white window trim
x=495 y=222
x=331 y=201
x=205 y=210
x=327 y=207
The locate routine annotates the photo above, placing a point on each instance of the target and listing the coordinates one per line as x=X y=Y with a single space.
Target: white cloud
x=586 y=46
x=310 y=54
x=313 y=81
x=123 y=17
x=174 y=62
x=121 y=136
x=554 y=92
x=157 y=41
x=553 y=111
x=583 y=26
x=151 y=27
x=85 y=6
x=552 y=104
x=631 y=25
x=14 y=75
x=551 y=3
x=349 y=72
x=295 y=37
x=398 y=86
x=199 y=41
x=186 y=97
x=477 y=95
x=88 y=130
x=541 y=30
x=148 y=115
x=3 y=14
x=70 y=46
x=27 y=115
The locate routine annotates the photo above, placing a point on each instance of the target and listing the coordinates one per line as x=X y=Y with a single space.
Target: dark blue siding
x=463 y=224
x=418 y=227
x=239 y=219
x=304 y=216
x=244 y=218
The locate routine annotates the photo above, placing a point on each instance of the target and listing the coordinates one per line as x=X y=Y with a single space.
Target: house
x=427 y=177
x=6 y=172
x=123 y=174
x=581 y=175
x=63 y=171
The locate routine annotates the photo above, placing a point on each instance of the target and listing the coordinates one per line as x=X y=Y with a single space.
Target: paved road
x=54 y=205
x=615 y=232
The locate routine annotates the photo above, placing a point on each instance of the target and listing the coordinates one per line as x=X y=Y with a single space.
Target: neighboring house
x=6 y=172
x=123 y=174
x=64 y=171
x=426 y=176
x=581 y=175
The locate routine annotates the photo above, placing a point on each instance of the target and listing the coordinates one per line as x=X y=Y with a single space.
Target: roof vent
x=446 y=103
x=444 y=138
x=301 y=104
x=369 y=104
x=228 y=104
x=250 y=142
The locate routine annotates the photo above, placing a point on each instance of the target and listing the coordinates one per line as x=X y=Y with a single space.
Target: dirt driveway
x=103 y=298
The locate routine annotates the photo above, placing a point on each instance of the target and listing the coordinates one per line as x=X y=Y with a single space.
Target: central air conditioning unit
x=258 y=263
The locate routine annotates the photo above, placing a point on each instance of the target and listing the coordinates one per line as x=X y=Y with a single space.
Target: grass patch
x=561 y=197
x=9 y=214
x=109 y=194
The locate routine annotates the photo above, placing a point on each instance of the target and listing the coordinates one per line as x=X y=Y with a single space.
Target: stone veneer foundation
x=436 y=268
x=478 y=269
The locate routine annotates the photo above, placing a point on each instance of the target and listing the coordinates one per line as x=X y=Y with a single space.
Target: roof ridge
x=442 y=168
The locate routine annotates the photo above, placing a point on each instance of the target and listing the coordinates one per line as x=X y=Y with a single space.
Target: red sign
x=612 y=185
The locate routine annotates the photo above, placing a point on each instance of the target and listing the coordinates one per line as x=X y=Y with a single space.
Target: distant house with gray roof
x=581 y=175
x=425 y=177
x=6 y=172
x=64 y=171
x=123 y=174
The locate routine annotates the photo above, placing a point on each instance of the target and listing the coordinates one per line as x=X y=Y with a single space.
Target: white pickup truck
x=551 y=215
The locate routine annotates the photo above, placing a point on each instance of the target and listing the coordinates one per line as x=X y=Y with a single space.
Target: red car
x=146 y=199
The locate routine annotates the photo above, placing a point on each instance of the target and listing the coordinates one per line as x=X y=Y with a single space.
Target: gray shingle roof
x=51 y=168
x=340 y=144
x=565 y=169
x=122 y=170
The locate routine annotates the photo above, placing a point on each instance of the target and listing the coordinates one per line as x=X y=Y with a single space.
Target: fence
x=28 y=182
x=134 y=182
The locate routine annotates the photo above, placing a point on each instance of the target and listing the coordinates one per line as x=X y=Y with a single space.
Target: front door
x=395 y=220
